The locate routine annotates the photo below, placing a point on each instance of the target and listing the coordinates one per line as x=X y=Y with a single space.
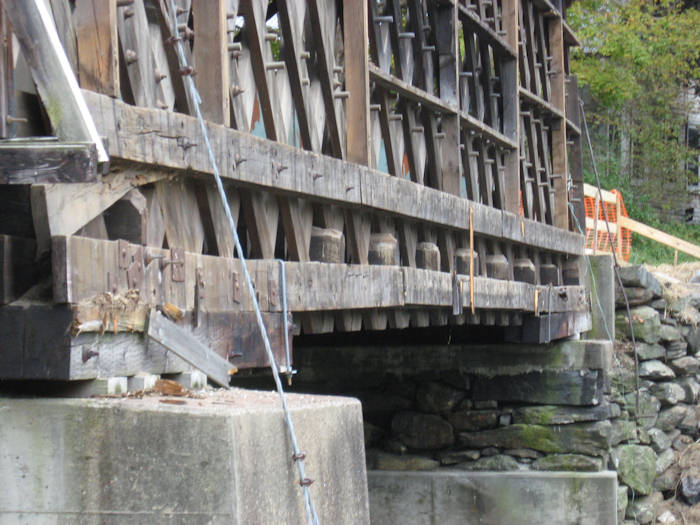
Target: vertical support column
x=98 y=46
x=211 y=59
x=511 y=107
x=6 y=74
x=446 y=38
x=560 y=167
x=356 y=41
x=575 y=154
x=601 y=283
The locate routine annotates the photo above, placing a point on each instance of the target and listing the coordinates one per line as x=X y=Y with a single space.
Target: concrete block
x=601 y=283
x=109 y=386
x=142 y=382
x=222 y=459
x=194 y=380
x=471 y=498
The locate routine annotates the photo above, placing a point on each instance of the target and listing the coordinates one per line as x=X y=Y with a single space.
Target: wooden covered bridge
x=414 y=163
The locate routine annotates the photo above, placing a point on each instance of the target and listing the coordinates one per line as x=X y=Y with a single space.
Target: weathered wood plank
x=17 y=266
x=157 y=137
x=436 y=104
x=52 y=73
x=62 y=209
x=98 y=46
x=211 y=59
x=63 y=17
x=550 y=327
x=183 y=343
x=356 y=38
x=33 y=162
x=83 y=269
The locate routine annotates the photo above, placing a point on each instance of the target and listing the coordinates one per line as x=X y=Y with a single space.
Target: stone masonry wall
x=489 y=407
x=657 y=458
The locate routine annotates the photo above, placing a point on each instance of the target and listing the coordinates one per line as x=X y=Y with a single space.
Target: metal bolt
x=187 y=70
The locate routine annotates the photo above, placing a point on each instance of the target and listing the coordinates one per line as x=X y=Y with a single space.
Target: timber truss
x=406 y=158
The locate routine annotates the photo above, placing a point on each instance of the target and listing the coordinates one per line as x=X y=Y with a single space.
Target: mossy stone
x=636 y=467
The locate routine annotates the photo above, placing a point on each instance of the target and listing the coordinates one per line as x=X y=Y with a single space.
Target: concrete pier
x=221 y=458
x=492 y=498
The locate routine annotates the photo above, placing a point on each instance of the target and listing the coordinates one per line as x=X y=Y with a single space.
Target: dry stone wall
x=657 y=460
x=481 y=408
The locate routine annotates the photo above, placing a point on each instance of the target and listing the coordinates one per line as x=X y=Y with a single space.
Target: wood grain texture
x=84 y=268
x=98 y=46
x=35 y=162
x=160 y=138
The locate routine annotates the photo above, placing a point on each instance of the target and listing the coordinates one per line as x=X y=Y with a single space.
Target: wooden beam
x=356 y=47
x=62 y=209
x=658 y=236
x=511 y=108
x=32 y=162
x=159 y=138
x=62 y=12
x=188 y=348
x=324 y=37
x=550 y=327
x=85 y=268
x=560 y=166
x=52 y=73
x=17 y=266
x=42 y=341
x=502 y=46
x=98 y=46
x=211 y=59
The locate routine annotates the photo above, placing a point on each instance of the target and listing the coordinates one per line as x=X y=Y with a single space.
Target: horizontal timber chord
x=167 y=140
x=85 y=268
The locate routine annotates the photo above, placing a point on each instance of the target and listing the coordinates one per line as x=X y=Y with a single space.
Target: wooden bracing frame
x=465 y=106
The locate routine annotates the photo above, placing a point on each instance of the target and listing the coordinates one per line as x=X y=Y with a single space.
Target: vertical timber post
x=446 y=38
x=356 y=45
x=211 y=59
x=559 y=162
x=98 y=46
x=511 y=108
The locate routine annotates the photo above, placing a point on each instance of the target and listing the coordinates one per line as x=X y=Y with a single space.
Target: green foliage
x=636 y=59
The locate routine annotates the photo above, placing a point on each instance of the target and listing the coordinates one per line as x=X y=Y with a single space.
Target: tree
x=637 y=60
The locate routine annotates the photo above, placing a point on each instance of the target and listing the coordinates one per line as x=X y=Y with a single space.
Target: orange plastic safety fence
x=600 y=241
